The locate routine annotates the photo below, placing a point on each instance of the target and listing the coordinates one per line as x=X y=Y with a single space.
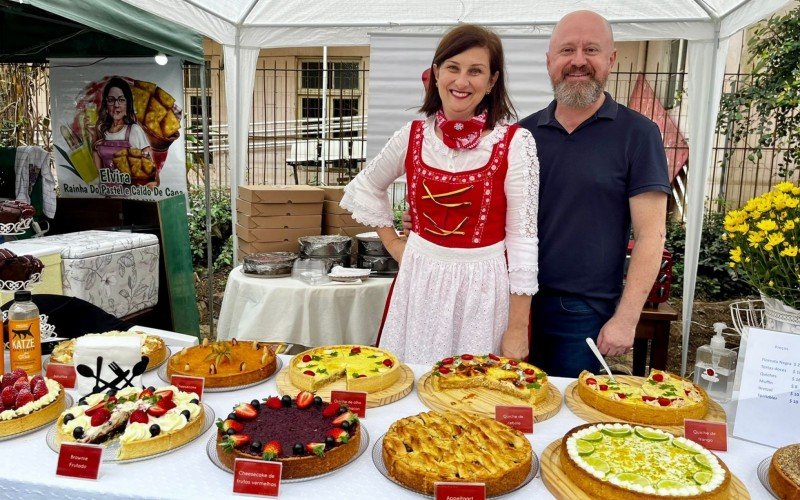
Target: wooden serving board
x=395 y=392
x=481 y=401
x=561 y=486
x=715 y=412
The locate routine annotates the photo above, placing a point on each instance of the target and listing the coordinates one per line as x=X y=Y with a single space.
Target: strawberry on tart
x=27 y=404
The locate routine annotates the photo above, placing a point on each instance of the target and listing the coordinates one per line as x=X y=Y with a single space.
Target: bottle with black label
x=24 y=339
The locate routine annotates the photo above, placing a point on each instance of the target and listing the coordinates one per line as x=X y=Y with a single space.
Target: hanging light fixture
x=161 y=59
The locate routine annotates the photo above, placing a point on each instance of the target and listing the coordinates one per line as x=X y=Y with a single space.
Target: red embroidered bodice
x=457 y=210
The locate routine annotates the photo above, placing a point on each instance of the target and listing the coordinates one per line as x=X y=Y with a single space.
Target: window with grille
x=193 y=113
x=344 y=97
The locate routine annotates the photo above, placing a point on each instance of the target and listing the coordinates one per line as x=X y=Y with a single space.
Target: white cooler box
x=113 y=270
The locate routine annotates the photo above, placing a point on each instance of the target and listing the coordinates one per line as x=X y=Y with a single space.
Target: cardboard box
x=281 y=194
x=351 y=231
x=332 y=207
x=339 y=220
x=248 y=248
x=272 y=235
x=272 y=209
x=280 y=222
x=333 y=193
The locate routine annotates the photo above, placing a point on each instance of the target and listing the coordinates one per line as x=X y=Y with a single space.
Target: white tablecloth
x=288 y=310
x=188 y=472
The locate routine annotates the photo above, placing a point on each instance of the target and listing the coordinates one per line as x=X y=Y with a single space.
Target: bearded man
x=602 y=170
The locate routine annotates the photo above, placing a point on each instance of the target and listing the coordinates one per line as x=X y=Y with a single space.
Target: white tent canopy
x=243 y=27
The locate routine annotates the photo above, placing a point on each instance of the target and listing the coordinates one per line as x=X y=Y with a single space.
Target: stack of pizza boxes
x=337 y=220
x=271 y=218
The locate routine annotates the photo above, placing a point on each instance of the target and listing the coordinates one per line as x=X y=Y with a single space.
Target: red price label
x=257 y=477
x=63 y=374
x=79 y=460
x=354 y=401
x=516 y=417
x=189 y=384
x=712 y=435
x=461 y=491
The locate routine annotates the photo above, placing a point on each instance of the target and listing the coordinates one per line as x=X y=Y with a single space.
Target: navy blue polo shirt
x=586 y=180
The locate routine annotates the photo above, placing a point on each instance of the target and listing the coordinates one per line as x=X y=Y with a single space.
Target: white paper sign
x=769 y=399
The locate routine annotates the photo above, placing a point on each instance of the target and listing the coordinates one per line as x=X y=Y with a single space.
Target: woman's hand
x=515 y=343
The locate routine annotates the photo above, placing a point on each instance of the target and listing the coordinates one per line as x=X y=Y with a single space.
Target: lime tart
x=145 y=422
x=226 y=363
x=27 y=404
x=307 y=436
x=421 y=450
x=364 y=368
x=784 y=472
x=661 y=398
x=510 y=376
x=623 y=461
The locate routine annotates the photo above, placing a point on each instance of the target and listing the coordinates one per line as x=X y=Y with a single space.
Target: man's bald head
x=583 y=20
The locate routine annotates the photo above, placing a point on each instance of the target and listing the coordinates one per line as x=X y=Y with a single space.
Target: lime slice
x=702 y=477
x=631 y=477
x=593 y=437
x=702 y=460
x=650 y=435
x=683 y=446
x=598 y=464
x=669 y=484
x=584 y=447
x=609 y=431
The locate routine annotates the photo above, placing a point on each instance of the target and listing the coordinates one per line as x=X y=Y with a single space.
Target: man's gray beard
x=579 y=94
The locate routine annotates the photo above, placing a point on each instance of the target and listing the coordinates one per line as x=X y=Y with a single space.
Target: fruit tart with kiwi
x=225 y=363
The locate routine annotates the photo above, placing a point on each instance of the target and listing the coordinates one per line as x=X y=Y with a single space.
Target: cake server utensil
x=600 y=358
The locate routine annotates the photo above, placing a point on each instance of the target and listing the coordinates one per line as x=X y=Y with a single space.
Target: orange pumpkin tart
x=225 y=363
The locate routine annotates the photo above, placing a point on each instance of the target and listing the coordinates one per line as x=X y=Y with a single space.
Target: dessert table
x=188 y=472
x=288 y=310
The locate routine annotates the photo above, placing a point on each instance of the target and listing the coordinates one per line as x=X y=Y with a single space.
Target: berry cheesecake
x=626 y=462
x=307 y=436
x=27 y=404
x=153 y=347
x=421 y=450
x=660 y=399
x=145 y=421
x=784 y=472
x=227 y=363
x=510 y=376
x=364 y=368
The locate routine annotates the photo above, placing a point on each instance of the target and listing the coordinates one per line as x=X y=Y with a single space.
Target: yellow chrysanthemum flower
x=736 y=254
x=785 y=187
x=790 y=251
x=775 y=239
x=755 y=238
x=789 y=225
x=767 y=225
x=792 y=202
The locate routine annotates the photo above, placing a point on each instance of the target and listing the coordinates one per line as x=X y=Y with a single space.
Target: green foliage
x=716 y=281
x=397 y=212
x=765 y=107
x=221 y=229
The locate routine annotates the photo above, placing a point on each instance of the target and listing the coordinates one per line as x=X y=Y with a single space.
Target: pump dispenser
x=715 y=367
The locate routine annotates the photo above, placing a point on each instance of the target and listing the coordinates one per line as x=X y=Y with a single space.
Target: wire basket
x=747 y=313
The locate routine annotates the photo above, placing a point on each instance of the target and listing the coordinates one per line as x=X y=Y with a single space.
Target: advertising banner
x=117 y=128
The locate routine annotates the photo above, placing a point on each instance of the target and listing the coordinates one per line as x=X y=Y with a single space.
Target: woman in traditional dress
x=469 y=267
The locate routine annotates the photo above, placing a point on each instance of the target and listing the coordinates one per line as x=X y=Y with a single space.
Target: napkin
x=106 y=362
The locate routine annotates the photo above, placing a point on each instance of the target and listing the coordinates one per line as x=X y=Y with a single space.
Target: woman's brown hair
x=497 y=104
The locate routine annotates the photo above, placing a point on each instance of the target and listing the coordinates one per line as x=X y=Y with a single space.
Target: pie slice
x=518 y=379
x=364 y=368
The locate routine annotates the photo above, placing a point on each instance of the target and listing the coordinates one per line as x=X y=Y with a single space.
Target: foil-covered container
x=337 y=260
x=269 y=264
x=371 y=244
x=325 y=245
x=379 y=264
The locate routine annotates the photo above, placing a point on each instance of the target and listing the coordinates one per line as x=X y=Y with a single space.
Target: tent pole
x=206 y=176
x=324 y=121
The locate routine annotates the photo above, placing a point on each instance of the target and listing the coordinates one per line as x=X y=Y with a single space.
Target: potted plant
x=764 y=236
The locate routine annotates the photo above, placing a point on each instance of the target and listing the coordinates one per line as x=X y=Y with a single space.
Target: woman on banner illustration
x=118 y=143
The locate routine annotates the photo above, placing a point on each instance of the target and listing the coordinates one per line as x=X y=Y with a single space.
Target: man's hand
x=515 y=343
x=406 y=222
x=616 y=337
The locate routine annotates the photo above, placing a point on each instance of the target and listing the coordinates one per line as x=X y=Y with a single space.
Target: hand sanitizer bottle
x=715 y=367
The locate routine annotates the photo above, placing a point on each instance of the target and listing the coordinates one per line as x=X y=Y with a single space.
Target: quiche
x=516 y=378
x=225 y=363
x=784 y=472
x=152 y=346
x=421 y=450
x=661 y=398
x=145 y=421
x=364 y=368
x=306 y=435
x=26 y=404
x=630 y=462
